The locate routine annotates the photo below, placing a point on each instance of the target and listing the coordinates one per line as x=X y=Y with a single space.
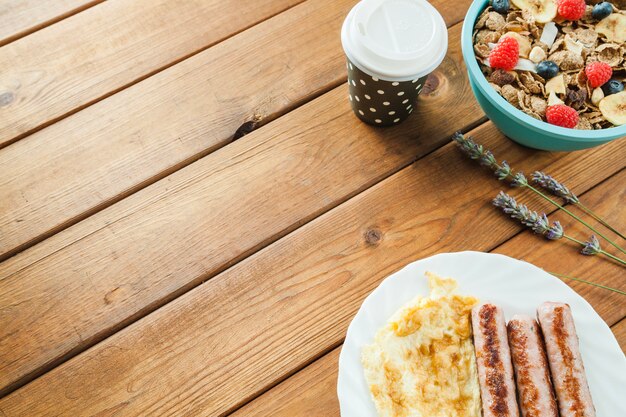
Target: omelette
x=422 y=362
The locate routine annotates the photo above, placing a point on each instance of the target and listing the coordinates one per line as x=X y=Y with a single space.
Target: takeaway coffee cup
x=391 y=46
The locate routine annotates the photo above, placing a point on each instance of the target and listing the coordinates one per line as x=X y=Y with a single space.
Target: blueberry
x=500 y=6
x=612 y=87
x=601 y=10
x=547 y=69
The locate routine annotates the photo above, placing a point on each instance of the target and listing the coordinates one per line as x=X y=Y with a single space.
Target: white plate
x=518 y=287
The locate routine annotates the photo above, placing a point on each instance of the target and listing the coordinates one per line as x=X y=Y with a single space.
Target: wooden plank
x=21 y=17
x=202 y=355
x=313 y=390
x=150 y=247
x=314 y=387
x=64 y=173
x=104 y=49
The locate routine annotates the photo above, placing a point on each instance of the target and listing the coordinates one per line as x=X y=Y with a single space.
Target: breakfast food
x=422 y=361
x=493 y=361
x=566 y=364
x=560 y=61
x=534 y=389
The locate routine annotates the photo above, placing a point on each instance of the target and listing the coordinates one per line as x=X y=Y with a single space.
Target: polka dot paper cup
x=380 y=102
x=391 y=46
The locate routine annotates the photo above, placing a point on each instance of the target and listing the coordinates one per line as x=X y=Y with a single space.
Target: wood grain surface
x=311 y=391
x=106 y=48
x=295 y=298
x=315 y=387
x=149 y=248
x=21 y=17
x=157 y=126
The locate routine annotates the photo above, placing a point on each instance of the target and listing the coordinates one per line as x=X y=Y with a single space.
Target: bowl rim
x=572 y=135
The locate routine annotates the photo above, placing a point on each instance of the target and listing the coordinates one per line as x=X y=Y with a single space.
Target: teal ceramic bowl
x=514 y=123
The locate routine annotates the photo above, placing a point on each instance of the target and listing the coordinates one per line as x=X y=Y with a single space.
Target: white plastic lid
x=396 y=40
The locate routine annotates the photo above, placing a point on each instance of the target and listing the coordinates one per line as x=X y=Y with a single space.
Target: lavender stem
x=599 y=219
x=588 y=282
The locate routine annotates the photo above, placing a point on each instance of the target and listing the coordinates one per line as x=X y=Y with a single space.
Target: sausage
x=534 y=389
x=566 y=364
x=493 y=362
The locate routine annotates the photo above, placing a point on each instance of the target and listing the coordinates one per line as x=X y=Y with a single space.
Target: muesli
x=560 y=61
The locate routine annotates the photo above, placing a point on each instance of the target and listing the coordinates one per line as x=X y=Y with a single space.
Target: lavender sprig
x=529 y=218
x=559 y=189
x=540 y=224
x=486 y=158
x=592 y=246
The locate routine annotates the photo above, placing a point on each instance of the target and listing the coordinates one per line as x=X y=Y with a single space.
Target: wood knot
x=247 y=127
x=431 y=84
x=373 y=236
x=112 y=295
x=6 y=98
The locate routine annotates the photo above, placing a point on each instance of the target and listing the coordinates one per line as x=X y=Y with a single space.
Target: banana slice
x=613 y=27
x=522 y=41
x=542 y=10
x=556 y=85
x=613 y=108
x=596 y=96
x=553 y=99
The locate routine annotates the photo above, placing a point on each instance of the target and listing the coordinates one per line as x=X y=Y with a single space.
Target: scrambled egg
x=422 y=363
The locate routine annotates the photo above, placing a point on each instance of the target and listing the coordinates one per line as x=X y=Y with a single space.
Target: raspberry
x=571 y=9
x=562 y=115
x=505 y=54
x=598 y=73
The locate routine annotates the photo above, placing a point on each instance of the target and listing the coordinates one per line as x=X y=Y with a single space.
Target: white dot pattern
x=380 y=102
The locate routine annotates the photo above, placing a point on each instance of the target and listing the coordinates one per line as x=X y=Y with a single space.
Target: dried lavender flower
x=485 y=158
x=474 y=150
x=477 y=152
x=519 y=180
x=538 y=223
x=592 y=246
x=555 y=232
x=557 y=188
x=503 y=171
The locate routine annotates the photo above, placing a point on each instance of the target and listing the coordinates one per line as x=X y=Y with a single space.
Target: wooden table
x=152 y=265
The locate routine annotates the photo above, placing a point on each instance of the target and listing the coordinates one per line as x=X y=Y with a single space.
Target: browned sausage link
x=566 y=363
x=534 y=389
x=493 y=362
